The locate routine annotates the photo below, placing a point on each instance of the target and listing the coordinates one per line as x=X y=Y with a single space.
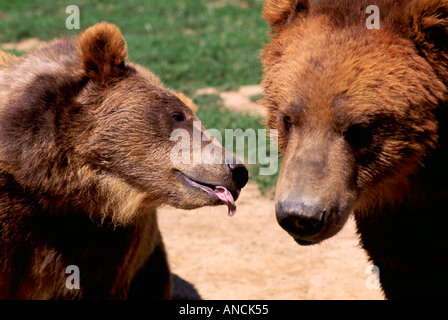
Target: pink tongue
x=226 y=198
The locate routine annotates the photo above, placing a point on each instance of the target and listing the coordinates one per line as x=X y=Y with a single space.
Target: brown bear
x=84 y=163
x=361 y=111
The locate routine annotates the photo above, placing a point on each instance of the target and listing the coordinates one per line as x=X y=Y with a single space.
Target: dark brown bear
x=361 y=111
x=84 y=163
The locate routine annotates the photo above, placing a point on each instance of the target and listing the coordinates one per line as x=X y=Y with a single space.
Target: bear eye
x=287 y=122
x=359 y=136
x=178 y=117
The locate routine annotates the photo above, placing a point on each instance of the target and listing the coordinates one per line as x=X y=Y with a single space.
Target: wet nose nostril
x=301 y=225
x=300 y=220
x=288 y=224
x=310 y=225
x=240 y=175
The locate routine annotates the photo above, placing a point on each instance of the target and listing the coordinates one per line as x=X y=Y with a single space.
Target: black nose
x=240 y=175
x=303 y=222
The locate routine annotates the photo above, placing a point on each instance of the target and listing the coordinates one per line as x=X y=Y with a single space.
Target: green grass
x=189 y=44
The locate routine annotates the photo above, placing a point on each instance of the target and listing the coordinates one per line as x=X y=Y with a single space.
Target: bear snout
x=308 y=223
x=240 y=175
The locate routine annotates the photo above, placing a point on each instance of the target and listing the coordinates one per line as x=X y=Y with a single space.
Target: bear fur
x=84 y=163
x=362 y=120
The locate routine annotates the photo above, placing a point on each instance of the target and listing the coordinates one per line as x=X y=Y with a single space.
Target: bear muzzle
x=225 y=191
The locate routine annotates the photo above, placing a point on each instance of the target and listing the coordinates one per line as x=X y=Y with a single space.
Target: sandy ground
x=238 y=100
x=24 y=45
x=248 y=256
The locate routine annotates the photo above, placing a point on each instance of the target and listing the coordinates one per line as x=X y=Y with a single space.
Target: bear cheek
x=385 y=168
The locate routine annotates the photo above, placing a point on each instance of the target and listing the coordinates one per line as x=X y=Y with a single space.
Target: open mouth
x=219 y=192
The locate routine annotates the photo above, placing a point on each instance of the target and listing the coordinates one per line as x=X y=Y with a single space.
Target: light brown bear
x=362 y=113
x=84 y=163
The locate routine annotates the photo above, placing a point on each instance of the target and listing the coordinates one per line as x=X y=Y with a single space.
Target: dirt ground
x=248 y=256
x=238 y=100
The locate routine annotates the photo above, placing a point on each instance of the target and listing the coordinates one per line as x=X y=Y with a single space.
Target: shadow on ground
x=183 y=290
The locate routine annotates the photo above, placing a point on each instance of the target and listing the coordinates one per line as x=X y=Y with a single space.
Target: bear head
x=87 y=130
x=358 y=110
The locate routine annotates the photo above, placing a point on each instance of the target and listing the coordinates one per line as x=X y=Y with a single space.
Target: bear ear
x=429 y=23
x=103 y=52
x=280 y=13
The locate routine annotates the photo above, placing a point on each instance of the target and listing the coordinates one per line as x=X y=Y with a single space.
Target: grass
x=189 y=44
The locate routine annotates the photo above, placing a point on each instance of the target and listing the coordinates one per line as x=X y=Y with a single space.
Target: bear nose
x=240 y=175
x=302 y=221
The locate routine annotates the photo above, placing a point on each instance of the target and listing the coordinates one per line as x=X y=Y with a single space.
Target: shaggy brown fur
x=362 y=119
x=84 y=163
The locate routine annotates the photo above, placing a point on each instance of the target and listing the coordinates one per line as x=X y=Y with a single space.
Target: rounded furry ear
x=429 y=23
x=103 y=52
x=280 y=13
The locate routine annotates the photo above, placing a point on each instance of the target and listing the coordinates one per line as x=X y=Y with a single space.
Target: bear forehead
x=321 y=67
x=140 y=85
